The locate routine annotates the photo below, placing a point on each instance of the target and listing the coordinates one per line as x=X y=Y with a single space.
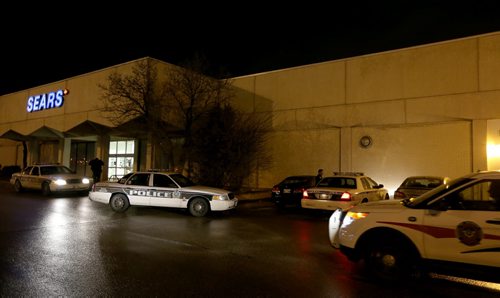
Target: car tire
x=46 y=189
x=198 y=207
x=391 y=259
x=119 y=203
x=18 y=186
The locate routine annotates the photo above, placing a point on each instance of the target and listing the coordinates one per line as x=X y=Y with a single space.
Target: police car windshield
x=53 y=170
x=181 y=180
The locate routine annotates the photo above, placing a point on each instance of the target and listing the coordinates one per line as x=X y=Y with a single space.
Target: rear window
x=298 y=179
x=338 y=182
x=422 y=182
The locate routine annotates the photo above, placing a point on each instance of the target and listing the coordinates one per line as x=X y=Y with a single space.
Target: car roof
x=155 y=172
x=484 y=175
x=425 y=176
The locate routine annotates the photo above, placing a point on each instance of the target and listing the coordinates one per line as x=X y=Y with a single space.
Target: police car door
x=463 y=226
x=165 y=192
x=370 y=192
x=138 y=188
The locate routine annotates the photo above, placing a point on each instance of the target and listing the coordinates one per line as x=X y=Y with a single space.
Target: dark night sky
x=50 y=45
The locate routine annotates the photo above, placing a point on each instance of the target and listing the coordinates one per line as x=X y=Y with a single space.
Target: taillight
x=399 y=195
x=299 y=190
x=305 y=195
x=345 y=196
x=276 y=189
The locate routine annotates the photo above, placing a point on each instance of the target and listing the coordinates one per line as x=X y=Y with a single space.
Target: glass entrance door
x=81 y=154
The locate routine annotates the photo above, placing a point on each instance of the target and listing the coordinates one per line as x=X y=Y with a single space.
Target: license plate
x=287 y=190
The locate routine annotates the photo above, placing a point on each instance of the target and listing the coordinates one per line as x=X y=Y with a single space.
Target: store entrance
x=81 y=153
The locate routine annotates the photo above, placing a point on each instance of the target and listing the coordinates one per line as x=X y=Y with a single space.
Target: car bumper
x=325 y=204
x=70 y=187
x=100 y=197
x=216 y=205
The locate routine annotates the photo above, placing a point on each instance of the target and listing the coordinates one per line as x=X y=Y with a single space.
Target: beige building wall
x=427 y=109
x=432 y=109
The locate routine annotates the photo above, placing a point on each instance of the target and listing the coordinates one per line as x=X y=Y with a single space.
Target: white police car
x=50 y=178
x=163 y=190
x=343 y=190
x=453 y=229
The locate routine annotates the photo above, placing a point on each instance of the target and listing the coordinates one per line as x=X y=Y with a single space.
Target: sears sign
x=46 y=101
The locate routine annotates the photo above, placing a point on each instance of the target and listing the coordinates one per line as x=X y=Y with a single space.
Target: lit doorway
x=81 y=153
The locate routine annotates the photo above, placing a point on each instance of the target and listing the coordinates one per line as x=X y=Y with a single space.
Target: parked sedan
x=49 y=179
x=162 y=189
x=344 y=190
x=289 y=191
x=414 y=186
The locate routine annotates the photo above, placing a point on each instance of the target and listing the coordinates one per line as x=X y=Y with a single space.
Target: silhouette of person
x=96 y=166
x=319 y=176
x=494 y=192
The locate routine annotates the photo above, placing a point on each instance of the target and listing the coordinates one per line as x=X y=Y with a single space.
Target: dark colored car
x=414 y=186
x=289 y=191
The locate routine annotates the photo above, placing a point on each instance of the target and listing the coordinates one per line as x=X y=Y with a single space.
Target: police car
x=343 y=190
x=453 y=229
x=50 y=178
x=162 y=189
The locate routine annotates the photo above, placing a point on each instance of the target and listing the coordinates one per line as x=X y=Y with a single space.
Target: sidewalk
x=254 y=195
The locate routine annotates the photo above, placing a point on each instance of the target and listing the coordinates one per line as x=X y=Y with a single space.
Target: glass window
x=121 y=158
x=139 y=179
x=121 y=147
x=112 y=148
x=27 y=170
x=130 y=147
x=35 y=171
x=481 y=196
x=160 y=180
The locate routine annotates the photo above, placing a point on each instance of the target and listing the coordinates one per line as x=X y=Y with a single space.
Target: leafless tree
x=198 y=107
x=137 y=99
x=193 y=94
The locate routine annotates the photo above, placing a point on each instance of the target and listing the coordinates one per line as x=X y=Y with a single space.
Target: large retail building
x=425 y=110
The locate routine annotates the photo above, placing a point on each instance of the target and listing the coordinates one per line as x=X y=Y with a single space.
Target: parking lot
x=71 y=246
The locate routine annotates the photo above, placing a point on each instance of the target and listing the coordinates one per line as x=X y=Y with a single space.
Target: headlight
x=219 y=197
x=60 y=182
x=352 y=216
x=357 y=215
x=85 y=181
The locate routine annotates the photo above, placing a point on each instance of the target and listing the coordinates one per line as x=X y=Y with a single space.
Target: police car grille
x=73 y=181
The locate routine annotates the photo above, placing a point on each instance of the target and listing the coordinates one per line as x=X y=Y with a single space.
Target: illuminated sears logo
x=46 y=101
x=469 y=233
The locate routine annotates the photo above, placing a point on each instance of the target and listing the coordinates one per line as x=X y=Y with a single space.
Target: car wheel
x=46 y=189
x=198 y=207
x=17 y=186
x=391 y=259
x=119 y=203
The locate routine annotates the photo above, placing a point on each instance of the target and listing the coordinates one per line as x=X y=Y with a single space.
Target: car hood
x=380 y=206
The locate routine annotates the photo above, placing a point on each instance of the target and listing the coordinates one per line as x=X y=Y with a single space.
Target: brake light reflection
x=345 y=196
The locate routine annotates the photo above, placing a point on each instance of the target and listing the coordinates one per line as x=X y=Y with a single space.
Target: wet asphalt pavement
x=73 y=247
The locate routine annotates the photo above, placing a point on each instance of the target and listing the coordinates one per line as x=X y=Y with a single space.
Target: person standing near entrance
x=96 y=166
